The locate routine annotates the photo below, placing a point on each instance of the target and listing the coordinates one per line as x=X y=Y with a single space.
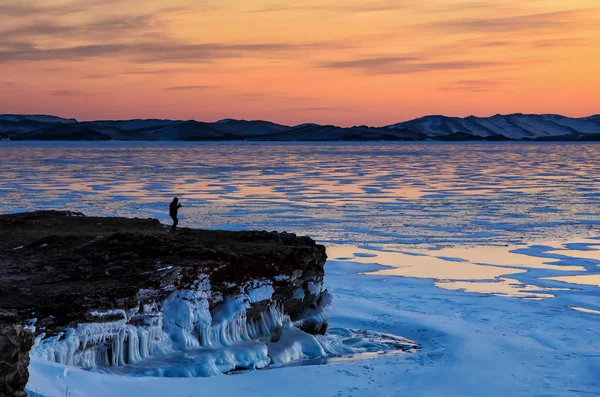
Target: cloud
x=21 y=9
x=161 y=51
x=190 y=87
x=493 y=43
x=94 y=76
x=68 y=93
x=148 y=71
x=36 y=9
x=277 y=98
x=371 y=63
x=276 y=7
x=37 y=29
x=406 y=65
x=551 y=21
x=101 y=28
x=561 y=42
x=318 y=109
x=375 y=6
x=31 y=53
x=472 y=85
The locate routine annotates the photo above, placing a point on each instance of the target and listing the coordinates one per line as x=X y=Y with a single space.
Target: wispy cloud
x=68 y=93
x=155 y=52
x=406 y=65
x=561 y=42
x=190 y=87
x=94 y=76
x=472 y=85
x=550 y=21
x=22 y=9
x=99 y=29
x=319 y=109
x=374 y=6
x=38 y=9
x=148 y=71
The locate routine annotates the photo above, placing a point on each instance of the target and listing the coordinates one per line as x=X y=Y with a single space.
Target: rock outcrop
x=15 y=342
x=97 y=291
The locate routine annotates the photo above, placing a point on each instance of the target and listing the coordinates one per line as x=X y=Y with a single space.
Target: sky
x=338 y=62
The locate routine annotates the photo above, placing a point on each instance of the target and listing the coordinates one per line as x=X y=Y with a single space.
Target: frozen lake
x=486 y=254
x=378 y=193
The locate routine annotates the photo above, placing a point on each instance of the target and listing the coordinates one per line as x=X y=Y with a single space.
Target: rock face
x=15 y=342
x=113 y=291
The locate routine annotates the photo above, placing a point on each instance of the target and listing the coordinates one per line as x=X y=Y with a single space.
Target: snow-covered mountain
x=41 y=118
x=514 y=126
x=498 y=127
x=16 y=124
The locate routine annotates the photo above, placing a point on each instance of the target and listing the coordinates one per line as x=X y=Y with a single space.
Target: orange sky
x=341 y=62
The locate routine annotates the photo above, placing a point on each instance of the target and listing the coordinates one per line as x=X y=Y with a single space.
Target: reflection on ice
x=421 y=266
x=505 y=256
x=483 y=269
x=500 y=287
x=591 y=279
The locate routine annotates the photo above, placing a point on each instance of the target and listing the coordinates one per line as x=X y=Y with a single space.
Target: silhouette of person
x=173 y=208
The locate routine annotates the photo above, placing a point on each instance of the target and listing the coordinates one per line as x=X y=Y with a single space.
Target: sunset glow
x=329 y=61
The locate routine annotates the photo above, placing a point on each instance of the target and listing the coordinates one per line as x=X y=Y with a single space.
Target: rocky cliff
x=98 y=291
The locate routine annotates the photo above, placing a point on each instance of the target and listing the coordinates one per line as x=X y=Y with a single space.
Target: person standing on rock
x=173 y=208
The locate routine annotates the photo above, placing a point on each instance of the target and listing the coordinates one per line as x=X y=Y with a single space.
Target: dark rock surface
x=15 y=342
x=57 y=267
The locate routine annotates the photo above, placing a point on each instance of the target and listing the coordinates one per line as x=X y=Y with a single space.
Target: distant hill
x=513 y=126
x=40 y=118
x=523 y=127
x=61 y=132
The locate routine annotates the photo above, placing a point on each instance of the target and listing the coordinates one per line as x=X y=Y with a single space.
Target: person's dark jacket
x=174 y=207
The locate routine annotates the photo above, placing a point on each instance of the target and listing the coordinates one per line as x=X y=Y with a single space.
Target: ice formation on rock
x=183 y=322
x=182 y=337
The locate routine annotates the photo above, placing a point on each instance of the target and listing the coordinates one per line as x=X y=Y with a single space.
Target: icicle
x=182 y=322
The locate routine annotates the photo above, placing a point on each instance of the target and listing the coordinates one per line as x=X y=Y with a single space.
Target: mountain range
x=530 y=127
